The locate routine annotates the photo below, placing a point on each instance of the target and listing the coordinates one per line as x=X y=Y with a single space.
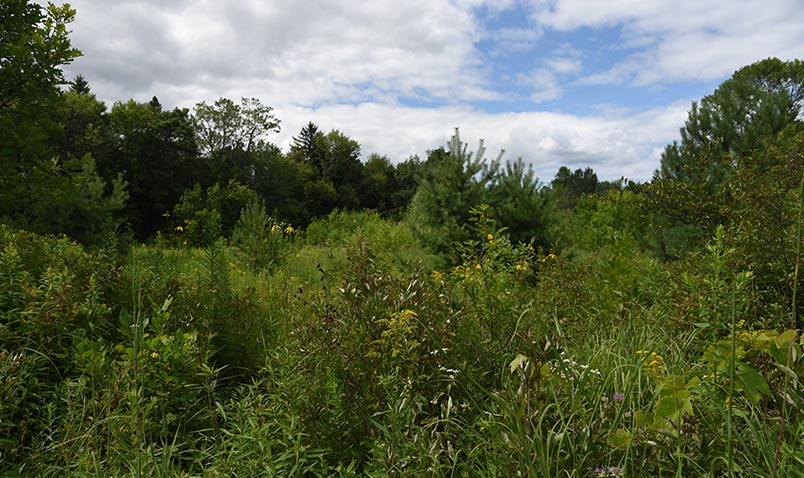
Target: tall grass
x=353 y=358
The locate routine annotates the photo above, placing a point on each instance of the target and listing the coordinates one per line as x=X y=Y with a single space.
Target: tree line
x=137 y=170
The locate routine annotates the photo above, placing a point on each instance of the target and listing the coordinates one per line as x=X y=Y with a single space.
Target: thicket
x=179 y=302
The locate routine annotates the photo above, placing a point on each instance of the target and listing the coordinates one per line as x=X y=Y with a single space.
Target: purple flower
x=619 y=396
x=608 y=471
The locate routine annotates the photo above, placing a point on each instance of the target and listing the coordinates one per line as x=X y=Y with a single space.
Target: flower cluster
x=619 y=397
x=549 y=257
x=569 y=368
x=608 y=471
x=653 y=363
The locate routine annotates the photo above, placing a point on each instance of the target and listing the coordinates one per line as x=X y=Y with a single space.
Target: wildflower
x=179 y=228
x=451 y=372
x=478 y=266
x=619 y=396
x=489 y=237
x=275 y=228
x=608 y=471
x=652 y=362
x=289 y=230
x=154 y=354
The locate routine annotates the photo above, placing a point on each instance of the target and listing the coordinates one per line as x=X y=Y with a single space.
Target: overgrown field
x=351 y=355
x=181 y=297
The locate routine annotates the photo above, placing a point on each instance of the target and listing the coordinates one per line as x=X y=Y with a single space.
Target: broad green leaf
x=519 y=362
x=752 y=383
x=621 y=439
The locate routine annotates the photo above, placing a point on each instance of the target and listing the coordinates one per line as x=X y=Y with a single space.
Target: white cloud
x=564 y=65
x=305 y=52
x=682 y=40
x=547 y=82
x=544 y=83
x=515 y=40
x=614 y=143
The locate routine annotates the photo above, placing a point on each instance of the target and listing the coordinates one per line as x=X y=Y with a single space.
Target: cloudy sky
x=600 y=83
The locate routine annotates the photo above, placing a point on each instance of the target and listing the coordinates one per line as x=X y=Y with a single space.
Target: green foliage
x=52 y=292
x=259 y=238
x=744 y=116
x=69 y=197
x=63 y=196
x=230 y=137
x=155 y=153
x=261 y=435
x=570 y=186
x=336 y=173
x=707 y=292
x=34 y=45
x=85 y=128
x=281 y=182
x=452 y=183
x=347 y=353
x=614 y=218
x=204 y=215
x=521 y=204
x=226 y=126
x=729 y=150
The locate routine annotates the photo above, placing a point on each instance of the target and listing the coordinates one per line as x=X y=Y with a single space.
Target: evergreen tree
x=452 y=183
x=308 y=147
x=520 y=204
x=80 y=85
x=569 y=186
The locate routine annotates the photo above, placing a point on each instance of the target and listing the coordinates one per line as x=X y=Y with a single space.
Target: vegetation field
x=178 y=297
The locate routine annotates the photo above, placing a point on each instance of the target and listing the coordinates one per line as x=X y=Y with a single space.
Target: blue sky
x=579 y=83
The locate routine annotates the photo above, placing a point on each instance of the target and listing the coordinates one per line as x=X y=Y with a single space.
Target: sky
x=598 y=83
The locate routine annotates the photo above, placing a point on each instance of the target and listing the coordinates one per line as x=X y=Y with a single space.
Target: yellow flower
x=289 y=230
x=154 y=354
x=179 y=229
x=478 y=266
x=653 y=363
x=275 y=228
x=489 y=236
